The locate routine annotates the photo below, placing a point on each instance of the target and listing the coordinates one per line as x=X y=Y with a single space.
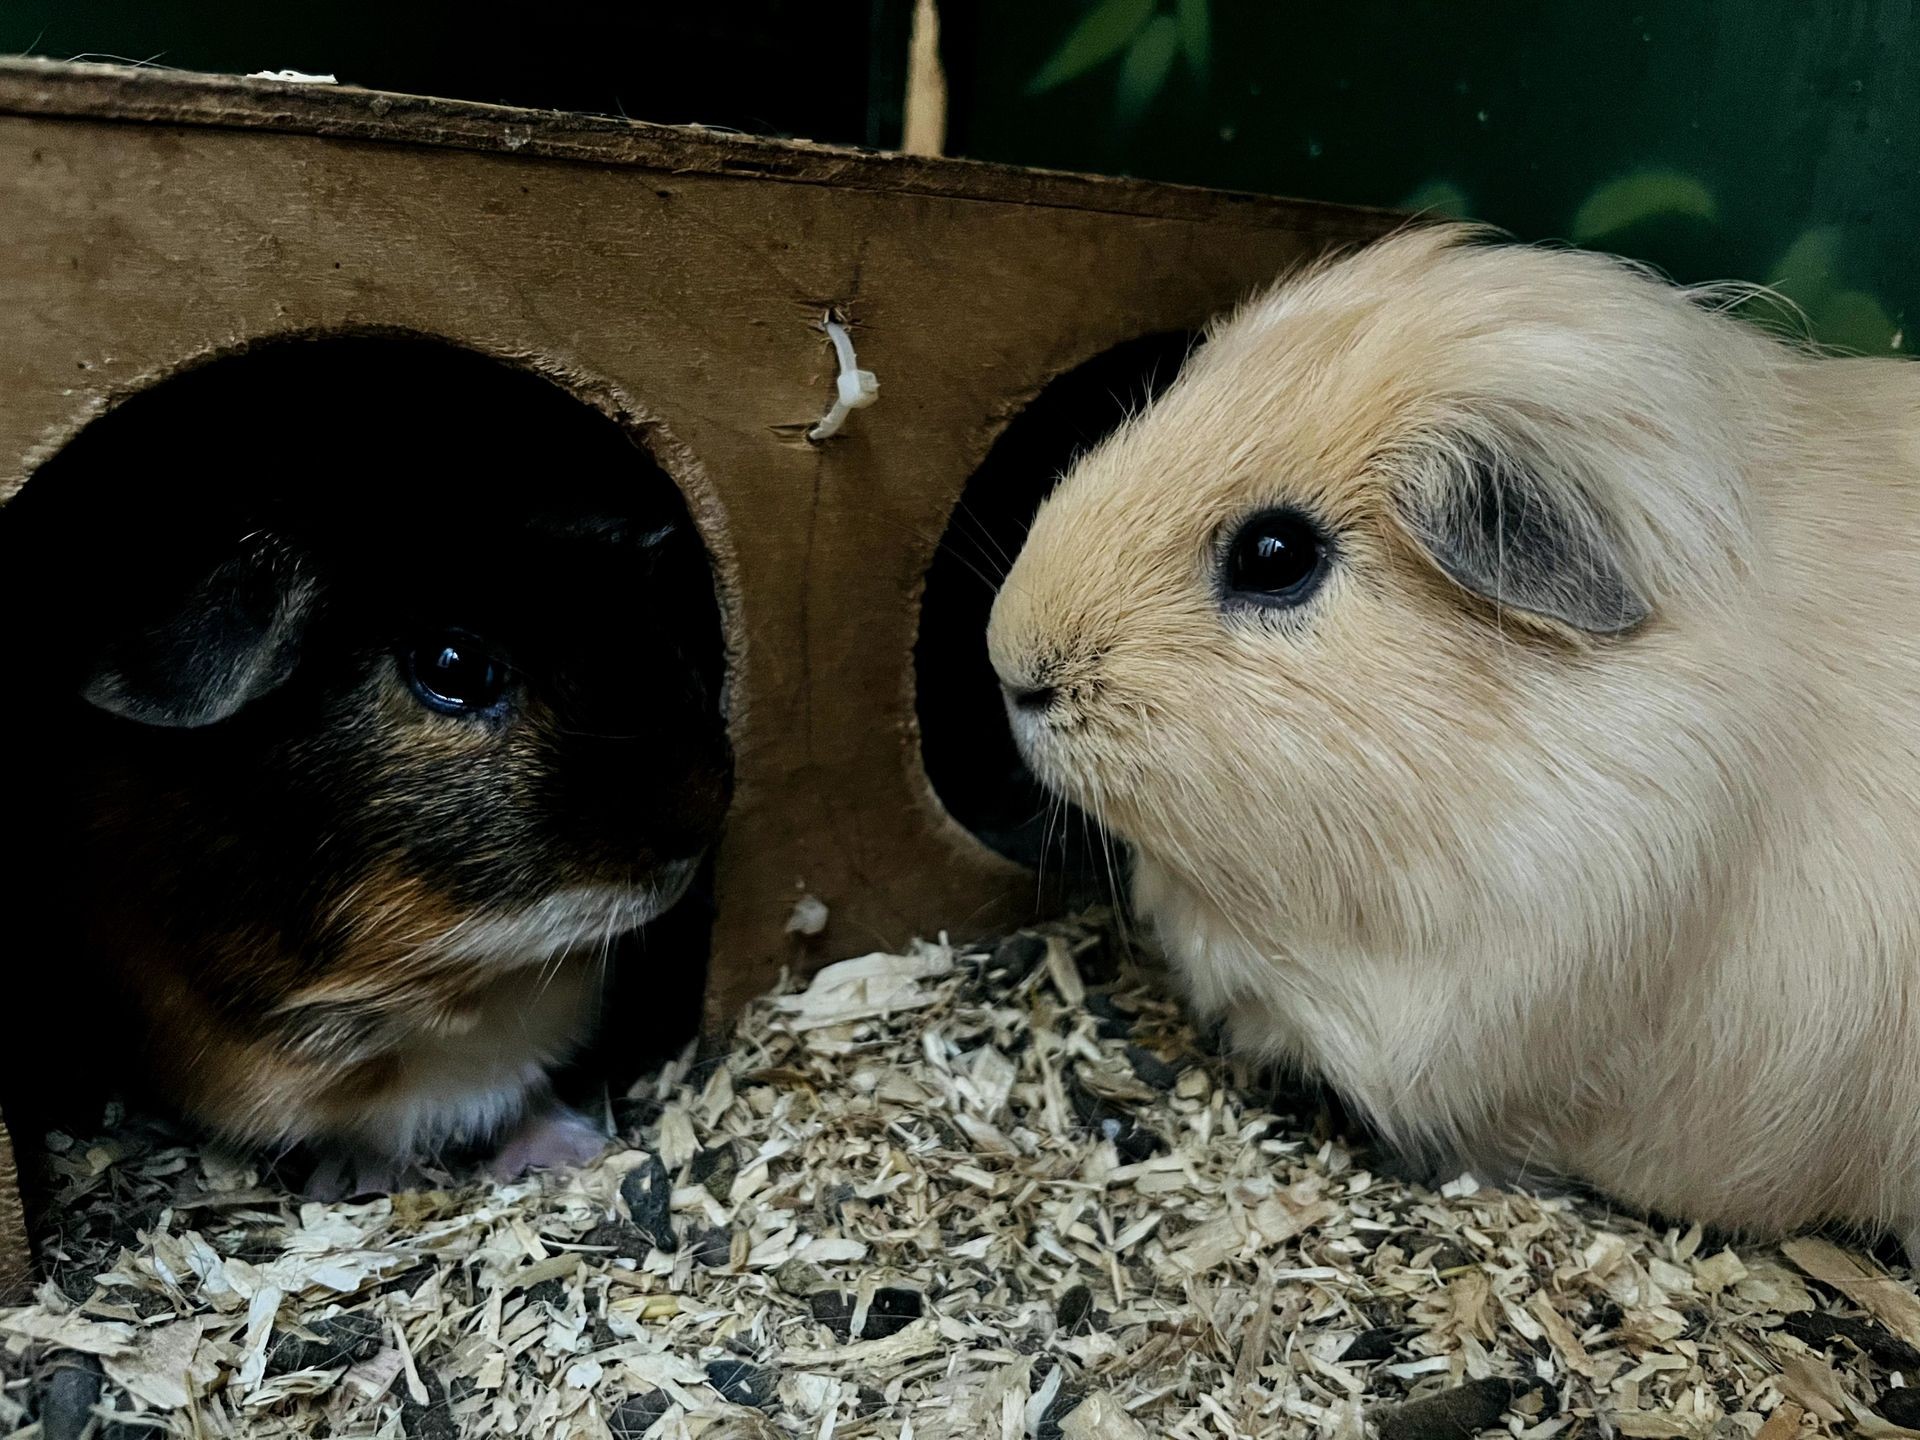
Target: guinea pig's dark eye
x=453 y=672
x=1277 y=557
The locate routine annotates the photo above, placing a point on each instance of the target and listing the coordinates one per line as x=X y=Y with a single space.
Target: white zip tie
x=855 y=389
x=293 y=77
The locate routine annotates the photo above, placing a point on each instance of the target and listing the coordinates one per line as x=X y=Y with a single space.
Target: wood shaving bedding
x=1006 y=1194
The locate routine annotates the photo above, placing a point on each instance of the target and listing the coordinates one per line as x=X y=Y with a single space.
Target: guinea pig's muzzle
x=1046 y=681
x=1028 y=698
x=1045 y=703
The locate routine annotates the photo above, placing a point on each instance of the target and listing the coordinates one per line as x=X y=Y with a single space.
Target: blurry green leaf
x=1810 y=274
x=1100 y=35
x=1640 y=196
x=1439 y=197
x=1144 y=72
x=1196 y=35
x=1853 y=320
x=1810 y=269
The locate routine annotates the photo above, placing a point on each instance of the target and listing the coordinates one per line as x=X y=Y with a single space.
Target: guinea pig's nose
x=1034 y=698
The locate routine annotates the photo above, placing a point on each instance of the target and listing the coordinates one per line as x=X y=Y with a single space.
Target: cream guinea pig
x=1505 y=668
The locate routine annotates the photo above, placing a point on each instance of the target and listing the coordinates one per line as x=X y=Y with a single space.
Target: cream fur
x=1641 y=910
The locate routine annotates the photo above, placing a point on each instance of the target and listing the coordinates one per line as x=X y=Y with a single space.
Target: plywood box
x=679 y=278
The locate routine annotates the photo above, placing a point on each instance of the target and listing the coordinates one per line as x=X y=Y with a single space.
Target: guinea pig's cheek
x=385 y=920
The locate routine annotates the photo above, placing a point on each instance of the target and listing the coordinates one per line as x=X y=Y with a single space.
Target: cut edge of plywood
x=16 y=1258
x=152 y=95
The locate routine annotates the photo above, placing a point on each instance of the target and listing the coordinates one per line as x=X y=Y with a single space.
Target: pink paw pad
x=552 y=1139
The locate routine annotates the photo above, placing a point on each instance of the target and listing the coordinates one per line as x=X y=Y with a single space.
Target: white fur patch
x=576 y=917
x=479 y=1081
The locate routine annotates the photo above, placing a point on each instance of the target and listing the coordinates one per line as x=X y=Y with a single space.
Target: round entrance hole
x=486 y=549
x=966 y=744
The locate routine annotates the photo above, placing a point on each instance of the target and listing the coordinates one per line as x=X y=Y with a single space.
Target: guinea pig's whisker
x=987 y=578
x=1053 y=810
x=609 y=943
x=549 y=972
x=1056 y=814
x=984 y=533
x=1103 y=838
x=1087 y=847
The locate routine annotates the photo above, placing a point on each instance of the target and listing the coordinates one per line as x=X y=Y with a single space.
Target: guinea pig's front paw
x=552 y=1138
x=344 y=1175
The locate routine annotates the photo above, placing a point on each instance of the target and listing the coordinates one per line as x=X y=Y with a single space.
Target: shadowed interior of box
x=339 y=434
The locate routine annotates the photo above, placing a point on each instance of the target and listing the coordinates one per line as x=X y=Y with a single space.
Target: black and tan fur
x=330 y=913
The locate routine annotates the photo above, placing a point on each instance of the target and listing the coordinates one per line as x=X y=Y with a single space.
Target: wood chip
x=1101 y=1417
x=1866 y=1284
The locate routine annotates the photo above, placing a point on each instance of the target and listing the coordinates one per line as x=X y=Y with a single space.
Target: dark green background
x=1764 y=141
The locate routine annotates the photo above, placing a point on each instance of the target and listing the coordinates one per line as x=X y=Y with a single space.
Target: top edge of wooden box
x=146 y=95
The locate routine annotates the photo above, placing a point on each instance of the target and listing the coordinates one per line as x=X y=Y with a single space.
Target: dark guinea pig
x=388 y=702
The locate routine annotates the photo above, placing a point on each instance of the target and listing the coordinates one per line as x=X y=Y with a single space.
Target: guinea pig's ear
x=1493 y=528
x=199 y=656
